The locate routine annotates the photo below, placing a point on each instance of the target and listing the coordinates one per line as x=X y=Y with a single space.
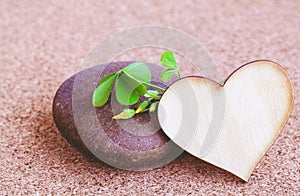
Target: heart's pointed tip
x=244 y=178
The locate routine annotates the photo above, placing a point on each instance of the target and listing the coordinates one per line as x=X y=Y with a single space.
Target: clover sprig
x=131 y=85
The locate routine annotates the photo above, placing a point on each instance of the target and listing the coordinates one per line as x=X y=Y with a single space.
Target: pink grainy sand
x=43 y=42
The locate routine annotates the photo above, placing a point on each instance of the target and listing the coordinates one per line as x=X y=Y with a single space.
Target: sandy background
x=42 y=43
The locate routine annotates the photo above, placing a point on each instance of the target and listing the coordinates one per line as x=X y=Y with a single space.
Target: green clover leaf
x=101 y=94
x=168 y=60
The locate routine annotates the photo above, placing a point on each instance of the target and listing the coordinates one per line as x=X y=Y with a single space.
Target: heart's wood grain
x=231 y=125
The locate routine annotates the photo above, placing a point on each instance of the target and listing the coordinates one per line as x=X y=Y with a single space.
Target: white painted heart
x=232 y=125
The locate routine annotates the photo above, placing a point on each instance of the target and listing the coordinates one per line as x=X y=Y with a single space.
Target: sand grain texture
x=43 y=43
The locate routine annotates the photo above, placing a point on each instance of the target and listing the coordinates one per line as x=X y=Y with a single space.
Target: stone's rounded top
x=136 y=143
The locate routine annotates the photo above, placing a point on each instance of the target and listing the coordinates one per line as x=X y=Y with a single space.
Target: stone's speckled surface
x=119 y=143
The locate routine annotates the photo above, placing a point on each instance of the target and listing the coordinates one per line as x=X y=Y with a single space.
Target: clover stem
x=154 y=86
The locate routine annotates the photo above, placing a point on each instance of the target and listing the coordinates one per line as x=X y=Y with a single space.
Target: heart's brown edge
x=280 y=69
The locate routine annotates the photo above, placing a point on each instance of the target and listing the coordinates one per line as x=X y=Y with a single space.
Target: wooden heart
x=231 y=125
